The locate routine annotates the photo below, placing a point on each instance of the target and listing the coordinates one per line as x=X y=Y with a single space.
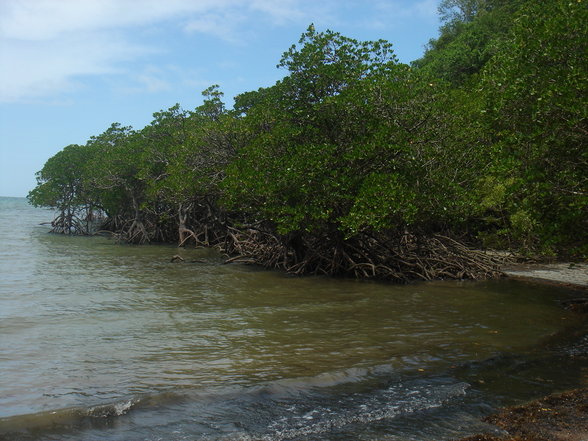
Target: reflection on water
x=109 y=340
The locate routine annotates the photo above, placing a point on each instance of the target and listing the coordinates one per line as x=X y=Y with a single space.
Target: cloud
x=227 y=22
x=46 y=19
x=282 y=11
x=166 y=78
x=422 y=9
x=222 y=25
x=152 y=80
x=427 y=8
x=31 y=70
x=49 y=46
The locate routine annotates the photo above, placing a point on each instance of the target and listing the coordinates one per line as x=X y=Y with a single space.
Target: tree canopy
x=354 y=163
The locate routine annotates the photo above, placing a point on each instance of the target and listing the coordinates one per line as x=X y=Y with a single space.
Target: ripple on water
x=86 y=323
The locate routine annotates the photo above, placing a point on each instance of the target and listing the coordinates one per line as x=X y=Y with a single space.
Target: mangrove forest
x=355 y=164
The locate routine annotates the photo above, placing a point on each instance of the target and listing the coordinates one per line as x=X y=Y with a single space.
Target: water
x=100 y=341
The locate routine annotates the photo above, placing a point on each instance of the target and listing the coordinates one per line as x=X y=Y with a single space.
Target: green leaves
x=536 y=89
x=485 y=136
x=326 y=63
x=60 y=182
x=362 y=143
x=383 y=202
x=468 y=38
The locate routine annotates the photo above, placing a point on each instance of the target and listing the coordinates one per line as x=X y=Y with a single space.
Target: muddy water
x=100 y=341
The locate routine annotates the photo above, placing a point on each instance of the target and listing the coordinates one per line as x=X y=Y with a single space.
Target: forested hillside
x=356 y=164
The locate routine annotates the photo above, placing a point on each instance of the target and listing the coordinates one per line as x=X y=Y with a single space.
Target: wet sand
x=559 y=417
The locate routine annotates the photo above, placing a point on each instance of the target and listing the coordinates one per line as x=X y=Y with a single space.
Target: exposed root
x=396 y=256
x=185 y=235
x=76 y=221
x=399 y=258
x=135 y=231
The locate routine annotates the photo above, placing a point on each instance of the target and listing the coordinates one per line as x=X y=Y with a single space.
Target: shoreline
x=556 y=417
x=571 y=275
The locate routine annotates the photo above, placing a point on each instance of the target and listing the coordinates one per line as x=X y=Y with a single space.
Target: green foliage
x=367 y=150
x=485 y=137
x=467 y=39
x=452 y=11
x=60 y=182
x=61 y=185
x=327 y=63
x=197 y=158
x=536 y=90
x=383 y=202
x=112 y=172
x=292 y=170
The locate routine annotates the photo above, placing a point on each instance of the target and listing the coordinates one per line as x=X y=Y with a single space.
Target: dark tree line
x=356 y=164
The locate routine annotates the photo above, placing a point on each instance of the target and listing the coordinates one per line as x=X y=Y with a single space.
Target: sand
x=573 y=275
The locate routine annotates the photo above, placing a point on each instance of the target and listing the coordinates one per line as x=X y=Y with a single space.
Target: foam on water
x=269 y=412
x=387 y=404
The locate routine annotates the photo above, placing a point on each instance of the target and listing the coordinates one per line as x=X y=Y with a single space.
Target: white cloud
x=46 y=19
x=152 y=80
x=51 y=46
x=48 y=45
x=167 y=78
x=32 y=70
x=427 y=8
x=222 y=24
x=281 y=11
x=402 y=9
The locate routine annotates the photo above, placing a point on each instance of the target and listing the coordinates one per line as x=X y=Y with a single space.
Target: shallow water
x=112 y=342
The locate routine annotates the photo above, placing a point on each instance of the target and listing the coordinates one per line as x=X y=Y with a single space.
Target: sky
x=71 y=68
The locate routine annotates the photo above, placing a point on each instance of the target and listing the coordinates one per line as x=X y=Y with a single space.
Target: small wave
x=395 y=401
x=577 y=348
x=292 y=387
x=73 y=417
x=110 y=410
x=286 y=409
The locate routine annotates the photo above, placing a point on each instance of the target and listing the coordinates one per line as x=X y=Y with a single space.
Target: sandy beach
x=573 y=275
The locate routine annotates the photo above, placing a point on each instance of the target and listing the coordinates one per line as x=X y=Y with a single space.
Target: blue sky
x=70 y=68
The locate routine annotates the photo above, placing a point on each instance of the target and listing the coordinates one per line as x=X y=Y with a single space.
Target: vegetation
x=356 y=164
